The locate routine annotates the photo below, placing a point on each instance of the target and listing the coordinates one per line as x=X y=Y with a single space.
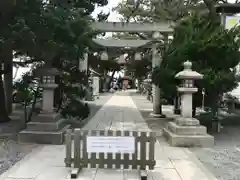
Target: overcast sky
x=114 y=16
x=111 y=4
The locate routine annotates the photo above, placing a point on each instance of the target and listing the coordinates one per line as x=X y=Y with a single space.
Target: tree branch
x=134 y=10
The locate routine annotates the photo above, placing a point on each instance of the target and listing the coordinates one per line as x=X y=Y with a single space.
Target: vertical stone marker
x=186 y=131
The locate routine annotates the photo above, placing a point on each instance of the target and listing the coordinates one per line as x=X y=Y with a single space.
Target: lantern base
x=187 y=132
x=188 y=140
x=45 y=128
x=153 y=115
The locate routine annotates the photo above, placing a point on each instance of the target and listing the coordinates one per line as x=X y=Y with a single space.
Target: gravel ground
x=223 y=160
x=10 y=150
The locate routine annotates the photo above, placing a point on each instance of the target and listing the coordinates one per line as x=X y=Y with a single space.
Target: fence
x=142 y=158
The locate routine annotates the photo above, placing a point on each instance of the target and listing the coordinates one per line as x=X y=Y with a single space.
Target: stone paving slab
x=119 y=113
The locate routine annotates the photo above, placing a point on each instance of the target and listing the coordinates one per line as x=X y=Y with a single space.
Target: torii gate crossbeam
x=164 y=27
x=119 y=43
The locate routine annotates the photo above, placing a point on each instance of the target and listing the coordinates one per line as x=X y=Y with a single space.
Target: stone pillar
x=48 y=95
x=156 y=62
x=185 y=130
x=186 y=101
x=156 y=90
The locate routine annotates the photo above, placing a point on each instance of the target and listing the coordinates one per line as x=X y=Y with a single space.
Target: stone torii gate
x=159 y=32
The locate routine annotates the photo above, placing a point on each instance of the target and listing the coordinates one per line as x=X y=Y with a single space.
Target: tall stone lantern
x=47 y=127
x=185 y=130
x=187 y=89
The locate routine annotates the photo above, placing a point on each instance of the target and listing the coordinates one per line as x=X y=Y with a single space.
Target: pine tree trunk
x=3 y=111
x=8 y=85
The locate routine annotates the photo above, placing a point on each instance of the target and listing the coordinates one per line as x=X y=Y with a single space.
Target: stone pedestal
x=49 y=131
x=186 y=131
x=47 y=127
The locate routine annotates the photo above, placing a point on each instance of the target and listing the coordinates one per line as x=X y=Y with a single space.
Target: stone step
x=45 y=126
x=51 y=117
x=187 y=130
x=181 y=121
x=188 y=140
x=43 y=137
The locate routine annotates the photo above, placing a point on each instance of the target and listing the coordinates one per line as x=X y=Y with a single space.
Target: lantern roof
x=188 y=73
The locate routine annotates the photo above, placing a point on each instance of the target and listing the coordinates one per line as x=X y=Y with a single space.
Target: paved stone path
x=119 y=113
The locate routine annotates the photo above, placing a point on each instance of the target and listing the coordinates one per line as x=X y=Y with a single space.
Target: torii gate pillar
x=156 y=62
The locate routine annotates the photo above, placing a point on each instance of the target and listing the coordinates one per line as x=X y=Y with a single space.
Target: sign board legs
x=143 y=175
x=74 y=173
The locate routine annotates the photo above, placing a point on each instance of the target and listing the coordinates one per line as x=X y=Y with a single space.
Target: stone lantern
x=46 y=127
x=185 y=130
x=186 y=89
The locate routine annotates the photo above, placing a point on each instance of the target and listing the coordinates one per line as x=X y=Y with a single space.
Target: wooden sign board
x=110 y=144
